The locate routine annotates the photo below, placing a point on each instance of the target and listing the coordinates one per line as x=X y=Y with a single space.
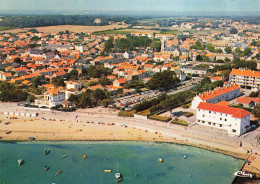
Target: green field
x=170 y=32
x=4 y=28
x=112 y=32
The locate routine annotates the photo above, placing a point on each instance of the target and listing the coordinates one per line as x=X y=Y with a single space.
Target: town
x=143 y=74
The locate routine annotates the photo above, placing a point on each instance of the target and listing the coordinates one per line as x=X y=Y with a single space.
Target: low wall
x=21 y=114
x=140 y=116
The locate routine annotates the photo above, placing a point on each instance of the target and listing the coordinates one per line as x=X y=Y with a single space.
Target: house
x=52 y=97
x=216 y=78
x=245 y=78
x=180 y=74
x=20 y=71
x=218 y=94
x=119 y=82
x=236 y=121
x=248 y=101
x=74 y=85
x=5 y=76
x=194 y=70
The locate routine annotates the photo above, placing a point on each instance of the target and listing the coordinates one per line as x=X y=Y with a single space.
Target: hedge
x=180 y=122
x=126 y=113
x=188 y=114
x=160 y=118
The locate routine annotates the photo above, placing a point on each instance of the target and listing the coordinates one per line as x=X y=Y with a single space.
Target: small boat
x=160 y=160
x=84 y=156
x=107 y=170
x=184 y=156
x=31 y=138
x=118 y=177
x=243 y=174
x=20 y=162
x=46 y=168
x=59 y=171
x=46 y=152
x=63 y=156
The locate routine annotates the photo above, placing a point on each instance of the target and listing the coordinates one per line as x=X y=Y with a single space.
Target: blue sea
x=136 y=161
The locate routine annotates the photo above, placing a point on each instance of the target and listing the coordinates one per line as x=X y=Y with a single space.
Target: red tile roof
x=223 y=103
x=218 y=91
x=235 y=112
x=247 y=100
x=122 y=80
x=243 y=72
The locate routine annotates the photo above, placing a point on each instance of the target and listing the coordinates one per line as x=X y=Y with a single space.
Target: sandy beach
x=104 y=124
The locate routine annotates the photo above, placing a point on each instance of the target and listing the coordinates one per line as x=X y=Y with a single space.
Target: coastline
x=78 y=131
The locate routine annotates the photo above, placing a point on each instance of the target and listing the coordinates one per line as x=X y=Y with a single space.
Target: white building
x=218 y=94
x=79 y=48
x=52 y=98
x=236 y=121
x=246 y=78
x=74 y=85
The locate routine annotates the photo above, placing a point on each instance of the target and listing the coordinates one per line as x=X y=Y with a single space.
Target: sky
x=139 y=5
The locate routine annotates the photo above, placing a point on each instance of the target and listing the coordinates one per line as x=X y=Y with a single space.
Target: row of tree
x=52 y=20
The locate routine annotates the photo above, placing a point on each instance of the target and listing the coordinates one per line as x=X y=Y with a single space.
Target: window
x=209 y=111
x=221 y=114
x=203 y=115
x=233 y=130
x=214 y=112
x=198 y=120
x=220 y=125
x=220 y=119
x=199 y=109
x=203 y=121
x=225 y=119
x=209 y=123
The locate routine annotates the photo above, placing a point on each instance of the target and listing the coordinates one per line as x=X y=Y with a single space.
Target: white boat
x=20 y=162
x=160 y=160
x=243 y=174
x=118 y=177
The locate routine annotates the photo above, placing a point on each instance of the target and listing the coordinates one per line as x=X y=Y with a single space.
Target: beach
x=103 y=124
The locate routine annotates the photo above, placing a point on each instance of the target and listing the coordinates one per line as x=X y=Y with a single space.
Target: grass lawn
x=144 y=113
x=4 y=28
x=113 y=32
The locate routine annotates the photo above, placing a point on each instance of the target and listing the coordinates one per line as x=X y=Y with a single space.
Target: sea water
x=136 y=161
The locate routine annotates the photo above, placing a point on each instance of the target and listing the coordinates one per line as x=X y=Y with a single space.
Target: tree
x=233 y=30
x=156 y=45
x=247 y=52
x=106 y=102
x=238 y=51
x=254 y=93
x=256 y=110
x=109 y=45
x=33 y=31
x=225 y=74
x=35 y=38
x=210 y=47
x=17 y=60
x=10 y=93
x=205 y=80
x=228 y=49
x=163 y=80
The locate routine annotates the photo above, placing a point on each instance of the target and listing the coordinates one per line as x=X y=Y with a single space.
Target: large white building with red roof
x=226 y=93
x=246 y=78
x=236 y=121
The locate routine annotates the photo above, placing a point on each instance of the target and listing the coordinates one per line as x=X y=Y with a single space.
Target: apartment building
x=227 y=92
x=246 y=78
x=236 y=121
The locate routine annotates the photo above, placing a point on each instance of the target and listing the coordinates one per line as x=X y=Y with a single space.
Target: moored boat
x=243 y=174
x=160 y=160
x=84 y=156
x=46 y=168
x=46 y=152
x=59 y=171
x=20 y=162
x=107 y=170
x=63 y=156
x=118 y=177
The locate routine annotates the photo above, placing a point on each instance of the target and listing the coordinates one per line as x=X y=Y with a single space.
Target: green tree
x=256 y=110
x=233 y=30
x=163 y=80
x=205 y=80
x=210 y=47
x=238 y=51
x=156 y=45
x=106 y=102
x=228 y=49
x=247 y=52
x=109 y=45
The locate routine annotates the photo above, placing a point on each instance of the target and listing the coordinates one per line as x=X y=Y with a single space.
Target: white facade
x=74 y=85
x=50 y=100
x=218 y=94
x=225 y=118
x=246 y=78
